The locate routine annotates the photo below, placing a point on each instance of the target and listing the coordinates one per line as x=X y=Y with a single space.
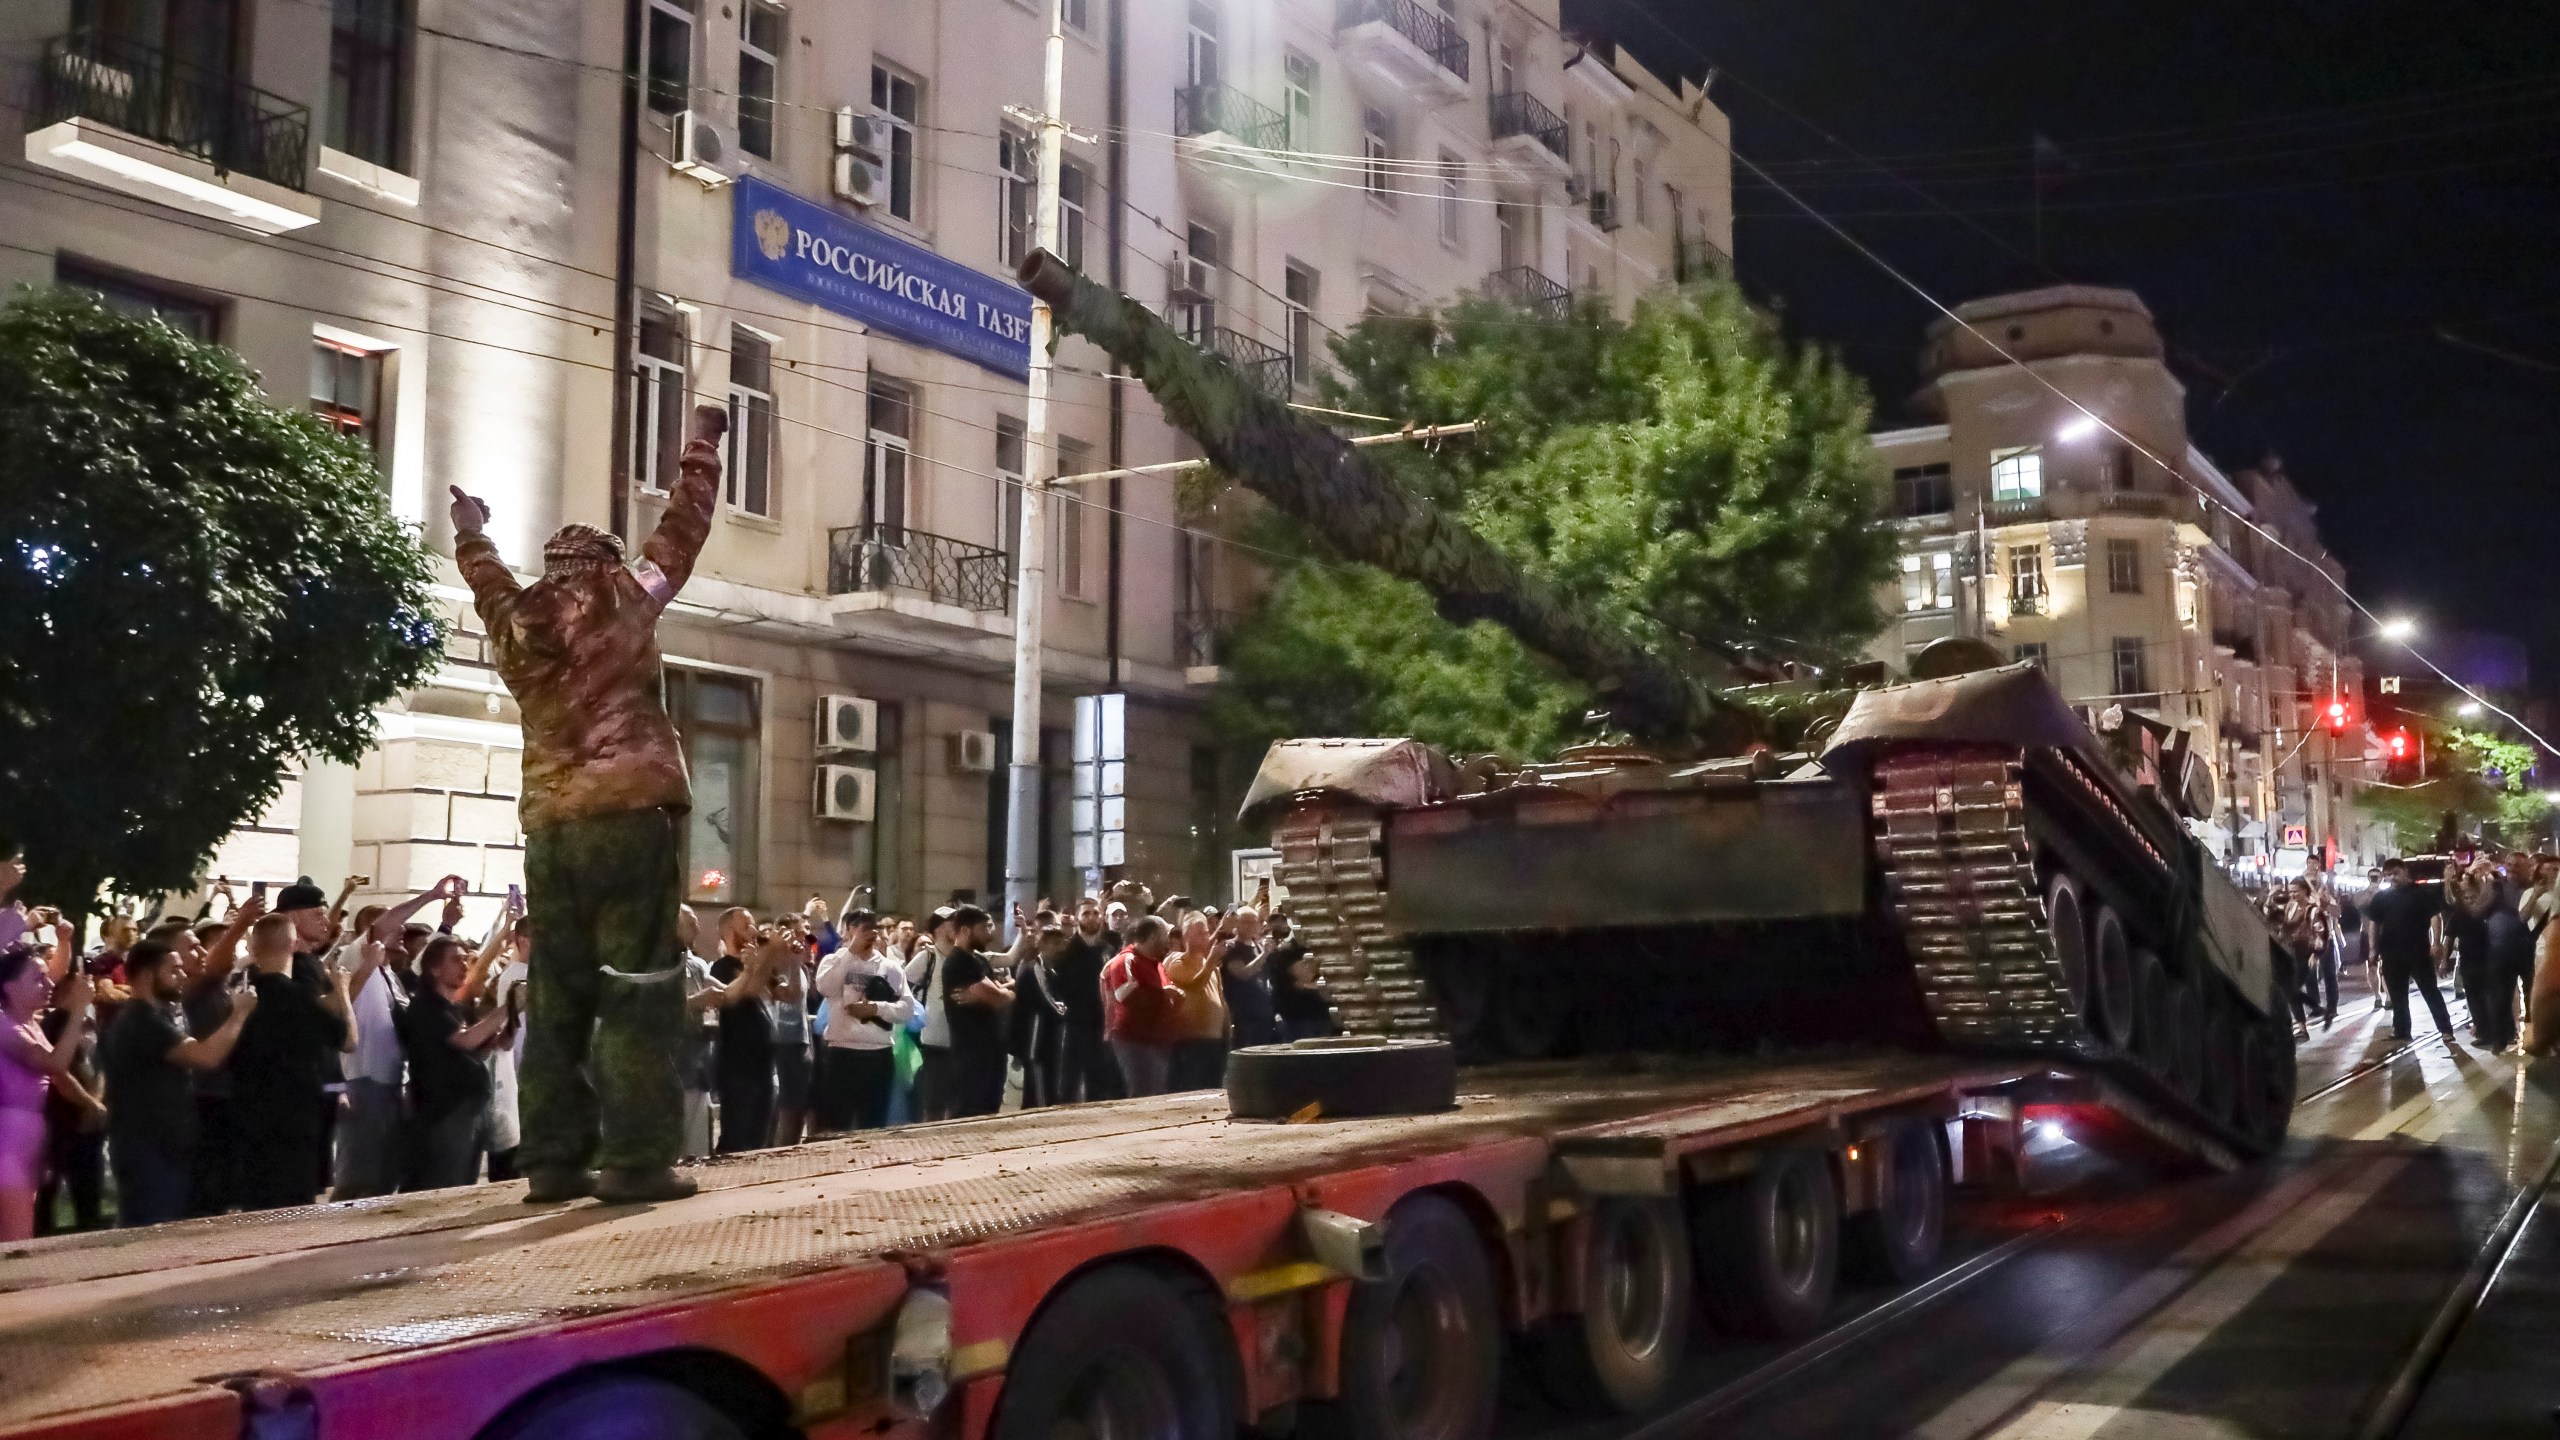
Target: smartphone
x=515 y=898
x=257 y=889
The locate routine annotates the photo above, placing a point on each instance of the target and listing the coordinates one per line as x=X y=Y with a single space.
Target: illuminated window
x=2026 y=579
x=346 y=389
x=2032 y=652
x=1928 y=582
x=2017 y=474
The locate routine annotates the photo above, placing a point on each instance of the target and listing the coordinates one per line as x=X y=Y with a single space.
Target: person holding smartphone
x=605 y=794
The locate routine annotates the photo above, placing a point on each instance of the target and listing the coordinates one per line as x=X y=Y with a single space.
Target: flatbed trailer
x=951 y=1279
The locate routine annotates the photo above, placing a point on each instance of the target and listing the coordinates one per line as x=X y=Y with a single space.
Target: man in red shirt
x=1140 y=1012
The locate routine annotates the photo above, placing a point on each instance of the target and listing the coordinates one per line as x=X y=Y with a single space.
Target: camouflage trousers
x=604 y=1001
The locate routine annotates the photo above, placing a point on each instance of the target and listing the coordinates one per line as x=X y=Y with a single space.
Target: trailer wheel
x=2069 y=928
x=1897 y=1242
x=1769 y=1247
x=1342 y=1075
x=2222 y=1069
x=2111 y=979
x=1421 y=1348
x=1533 y=1017
x=618 y=1407
x=2186 y=1037
x=1118 y=1352
x=2154 y=1038
x=1637 y=1294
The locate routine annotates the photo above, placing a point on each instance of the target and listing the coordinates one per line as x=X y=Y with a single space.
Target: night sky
x=2310 y=197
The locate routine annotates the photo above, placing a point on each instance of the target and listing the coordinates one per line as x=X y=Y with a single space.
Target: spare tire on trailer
x=1342 y=1076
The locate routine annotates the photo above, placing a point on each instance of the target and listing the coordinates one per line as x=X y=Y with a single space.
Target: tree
x=1686 y=477
x=2477 y=776
x=197 y=588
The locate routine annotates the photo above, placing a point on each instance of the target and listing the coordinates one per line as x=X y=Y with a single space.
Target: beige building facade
x=429 y=221
x=2027 y=524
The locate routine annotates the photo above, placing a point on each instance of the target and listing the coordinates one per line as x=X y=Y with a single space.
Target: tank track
x=1960 y=885
x=1332 y=865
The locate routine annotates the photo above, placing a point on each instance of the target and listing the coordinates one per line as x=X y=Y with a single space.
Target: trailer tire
x=2154 y=1038
x=617 y=1407
x=2115 y=1000
x=1897 y=1242
x=1638 y=1292
x=2223 y=1075
x=2186 y=1037
x=1344 y=1075
x=1769 y=1247
x=2069 y=927
x=1118 y=1351
x=1421 y=1348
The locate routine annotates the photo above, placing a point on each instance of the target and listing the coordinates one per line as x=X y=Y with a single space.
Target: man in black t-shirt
x=149 y=1062
x=277 y=1068
x=1086 y=1070
x=1294 y=996
x=743 y=1060
x=974 y=1000
x=2397 y=924
x=448 y=1068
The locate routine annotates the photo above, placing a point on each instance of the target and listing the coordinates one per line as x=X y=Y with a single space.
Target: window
x=893 y=99
x=1643 y=216
x=2017 y=474
x=197 y=319
x=1506 y=68
x=1928 y=582
x=2124 y=567
x=1200 y=56
x=2026 y=579
x=2032 y=652
x=657 y=402
x=715 y=715
x=1298 y=295
x=1018 y=166
x=1198 y=301
x=346 y=389
x=759 y=74
x=2132 y=666
x=1452 y=200
x=1074 y=458
x=1376 y=149
x=670 y=59
x=369 y=80
x=1672 y=211
x=1923 y=490
x=1071 y=192
x=888 y=457
x=1010 y=476
x=2115 y=468
x=1298 y=83
x=748 y=476
x=1076 y=15
x=1510 y=244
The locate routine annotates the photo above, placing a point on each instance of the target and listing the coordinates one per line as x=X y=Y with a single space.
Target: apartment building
x=513 y=263
x=2028 y=524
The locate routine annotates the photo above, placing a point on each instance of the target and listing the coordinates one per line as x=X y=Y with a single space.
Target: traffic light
x=2335 y=717
x=2398 y=744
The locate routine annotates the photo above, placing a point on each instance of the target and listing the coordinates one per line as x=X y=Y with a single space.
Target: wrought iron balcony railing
x=1223 y=109
x=1431 y=32
x=1204 y=636
x=194 y=109
x=890 y=557
x=1696 y=259
x=1517 y=112
x=1265 y=367
x=1531 y=289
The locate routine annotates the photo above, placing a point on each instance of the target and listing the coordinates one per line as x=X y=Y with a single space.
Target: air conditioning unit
x=1192 y=278
x=702 y=147
x=861 y=131
x=845 y=792
x=860 y=178
x=973 y=751
x=847 y=722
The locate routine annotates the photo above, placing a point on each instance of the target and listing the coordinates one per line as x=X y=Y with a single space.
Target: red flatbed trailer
x=778 y=1294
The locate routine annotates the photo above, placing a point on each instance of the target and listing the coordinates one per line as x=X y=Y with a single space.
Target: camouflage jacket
x=580 y=653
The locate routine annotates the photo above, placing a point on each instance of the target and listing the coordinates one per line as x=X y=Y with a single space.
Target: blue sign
x=811 y=253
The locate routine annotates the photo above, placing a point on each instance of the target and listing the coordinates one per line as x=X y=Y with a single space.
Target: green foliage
x=2477 y=776
x=1686 y=475
x=197 y=587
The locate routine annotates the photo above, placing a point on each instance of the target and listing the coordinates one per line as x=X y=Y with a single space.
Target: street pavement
x=2298 y=1297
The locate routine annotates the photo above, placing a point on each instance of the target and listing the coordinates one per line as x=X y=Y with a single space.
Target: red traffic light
x=2336 y=717
x=2398 y=740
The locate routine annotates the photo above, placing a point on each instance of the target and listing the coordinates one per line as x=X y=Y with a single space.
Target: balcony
x=140 y=122
x=1528 y=137
x=914 y=585
x=1530 y=289
x=1203 y=637
x=1231 y=133
x=1697 y=259
x=1264 y=367
x=1402 y=48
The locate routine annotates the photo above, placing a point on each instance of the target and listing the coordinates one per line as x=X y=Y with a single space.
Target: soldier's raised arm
x=493 y=585
x=667 y=556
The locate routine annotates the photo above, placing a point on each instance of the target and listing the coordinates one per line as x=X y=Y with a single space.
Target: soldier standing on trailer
x=605 y=793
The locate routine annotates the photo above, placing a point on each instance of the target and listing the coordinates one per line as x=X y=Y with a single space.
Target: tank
x=1961 y=862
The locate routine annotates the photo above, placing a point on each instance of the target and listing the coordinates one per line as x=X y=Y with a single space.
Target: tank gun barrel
x=1315 y=477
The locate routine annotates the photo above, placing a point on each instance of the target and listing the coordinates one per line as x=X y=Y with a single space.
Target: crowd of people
x=269 y=1052
x=2477 y=919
